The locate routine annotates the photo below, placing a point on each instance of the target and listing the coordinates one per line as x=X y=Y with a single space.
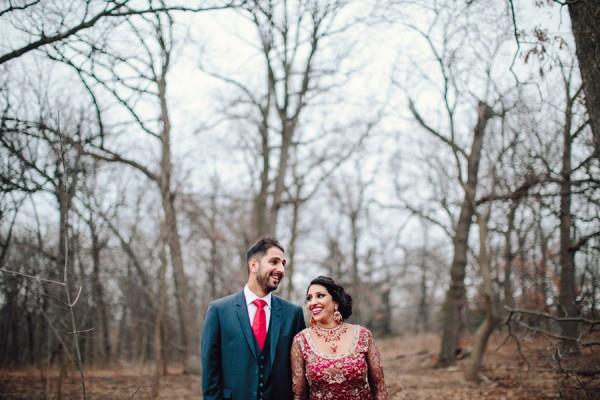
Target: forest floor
x=408 y=364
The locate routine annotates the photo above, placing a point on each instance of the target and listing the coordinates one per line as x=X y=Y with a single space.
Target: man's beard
x=265 y=284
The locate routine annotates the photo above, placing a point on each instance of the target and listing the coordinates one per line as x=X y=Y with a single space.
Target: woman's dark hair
x=343 y=299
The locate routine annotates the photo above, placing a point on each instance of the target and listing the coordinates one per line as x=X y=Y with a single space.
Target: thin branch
x=106 y=13
x=421 y=121
x=516 y=33
x=514 y=337
x=32 y=276
x=15 y=8
x=552 y=317
x=76 y=298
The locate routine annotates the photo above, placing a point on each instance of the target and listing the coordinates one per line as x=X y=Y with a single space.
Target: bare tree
x=76 y=20
x=586 y=30
x=292 y=41
x=491 y=316
x=148 y=83
x=568 y=246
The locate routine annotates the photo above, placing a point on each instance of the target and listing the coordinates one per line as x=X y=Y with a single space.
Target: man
x=247 y=336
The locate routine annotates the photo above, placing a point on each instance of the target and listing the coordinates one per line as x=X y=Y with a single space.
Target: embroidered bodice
x=354 y=375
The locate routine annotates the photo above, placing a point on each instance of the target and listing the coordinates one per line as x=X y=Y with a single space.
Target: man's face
x=270 y=269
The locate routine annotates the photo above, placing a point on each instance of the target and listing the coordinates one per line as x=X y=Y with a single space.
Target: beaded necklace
x=331 y=336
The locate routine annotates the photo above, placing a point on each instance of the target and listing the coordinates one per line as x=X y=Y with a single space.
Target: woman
x=334 y=360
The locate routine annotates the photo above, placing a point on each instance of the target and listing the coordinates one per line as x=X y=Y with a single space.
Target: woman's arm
x=299 y=383
x=376 y=371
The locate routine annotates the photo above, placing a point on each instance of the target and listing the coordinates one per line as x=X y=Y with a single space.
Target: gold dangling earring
x=337 y=316
x=312 y=321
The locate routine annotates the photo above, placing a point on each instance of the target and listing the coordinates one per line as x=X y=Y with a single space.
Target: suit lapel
x=241 y=309
x=276 y=317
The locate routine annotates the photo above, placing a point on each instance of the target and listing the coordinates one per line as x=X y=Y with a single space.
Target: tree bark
x=455 y=297
x=160 y=313
x=567 y=262
x=489 y=323
x=293 y=243
x=585 y=23
x=508 y=257
x=356 y=286
x=215 y=260
x=182 y=293
x=542 y=268
x=423 y=310
x=261 y=199
x=98 y=294
x=422 y=321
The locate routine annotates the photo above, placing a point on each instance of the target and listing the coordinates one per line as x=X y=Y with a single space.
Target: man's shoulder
x=285 y=304
x=224 y=301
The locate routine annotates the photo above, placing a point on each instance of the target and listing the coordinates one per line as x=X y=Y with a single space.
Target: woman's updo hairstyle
x=337 y=292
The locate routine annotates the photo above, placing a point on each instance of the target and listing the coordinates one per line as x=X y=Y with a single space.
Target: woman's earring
x=312 y=321
x=337 y=317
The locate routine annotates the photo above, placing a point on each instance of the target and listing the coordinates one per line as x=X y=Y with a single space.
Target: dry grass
x=410 y=373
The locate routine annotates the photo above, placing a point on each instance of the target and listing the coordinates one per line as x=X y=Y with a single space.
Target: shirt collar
x=250 y=296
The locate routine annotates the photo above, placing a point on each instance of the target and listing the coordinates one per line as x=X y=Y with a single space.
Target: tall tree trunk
x=489 y=323
x=282 y=169
x=455 y=297
x=542 y=267
x=423 y=310
x=386 y=292
x=122 y=335
x=160 y=313
x=292 y=245
x=567 y=270
x=585 y=23
x=63 y=271
x=523 y=273
x=261 y=199
x=98 y=294
x=187 y=320
x=215 y=261
x=356 y=286
x=509 y=299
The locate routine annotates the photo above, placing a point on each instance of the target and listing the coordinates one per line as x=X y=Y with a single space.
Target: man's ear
x=253 y=264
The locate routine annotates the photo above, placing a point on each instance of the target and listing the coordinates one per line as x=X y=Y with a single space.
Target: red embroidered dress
x=354 y=375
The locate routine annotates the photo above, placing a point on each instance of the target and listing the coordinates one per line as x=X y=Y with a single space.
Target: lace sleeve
x=376 y=371
x=299 y=384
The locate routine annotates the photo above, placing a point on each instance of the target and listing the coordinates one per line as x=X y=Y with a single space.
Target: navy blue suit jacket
x=230 y=355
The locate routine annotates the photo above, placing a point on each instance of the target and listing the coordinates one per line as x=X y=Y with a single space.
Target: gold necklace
x=331 y=335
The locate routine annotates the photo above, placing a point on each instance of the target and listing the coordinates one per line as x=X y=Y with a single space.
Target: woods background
x=441 y=159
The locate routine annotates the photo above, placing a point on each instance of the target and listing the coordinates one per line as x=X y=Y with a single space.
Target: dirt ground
x=408 y=364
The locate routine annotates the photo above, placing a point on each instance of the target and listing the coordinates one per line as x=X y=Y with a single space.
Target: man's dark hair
x=261 y=246
x=337 y=292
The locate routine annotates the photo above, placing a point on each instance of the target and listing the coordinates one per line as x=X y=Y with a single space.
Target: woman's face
x=320 y=304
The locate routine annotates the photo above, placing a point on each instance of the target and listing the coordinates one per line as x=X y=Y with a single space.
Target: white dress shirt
x=250 y=297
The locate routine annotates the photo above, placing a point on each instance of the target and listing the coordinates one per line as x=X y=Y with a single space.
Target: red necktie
x=259 y=325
